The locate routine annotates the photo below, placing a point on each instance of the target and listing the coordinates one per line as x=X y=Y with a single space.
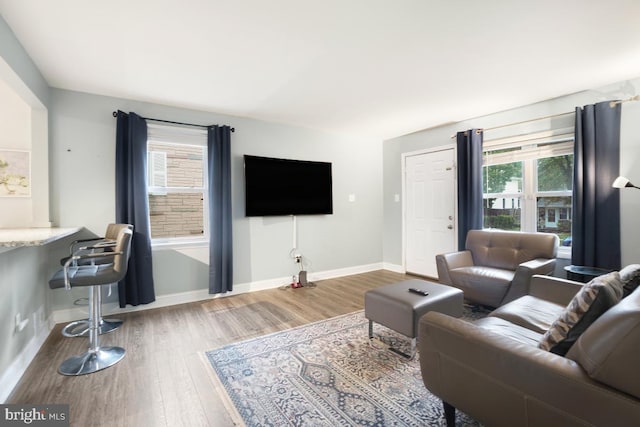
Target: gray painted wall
x=24 y=272
x=12 y=52
x=24 y=275
x=441 y=136
x=82 y=153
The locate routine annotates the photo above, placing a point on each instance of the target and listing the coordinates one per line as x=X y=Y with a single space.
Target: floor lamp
x=622 y=182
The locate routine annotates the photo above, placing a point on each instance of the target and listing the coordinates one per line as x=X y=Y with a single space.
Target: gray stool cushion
x=396 y=308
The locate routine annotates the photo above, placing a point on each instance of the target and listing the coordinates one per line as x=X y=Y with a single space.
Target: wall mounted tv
x=287 y=187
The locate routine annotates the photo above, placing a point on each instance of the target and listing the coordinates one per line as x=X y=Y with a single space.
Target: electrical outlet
x=20 y=323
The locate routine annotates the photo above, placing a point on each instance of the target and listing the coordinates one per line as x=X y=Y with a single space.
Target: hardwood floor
x=164 y=379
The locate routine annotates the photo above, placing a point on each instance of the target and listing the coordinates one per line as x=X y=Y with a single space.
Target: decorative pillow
x=587 y=305
x=630 y=276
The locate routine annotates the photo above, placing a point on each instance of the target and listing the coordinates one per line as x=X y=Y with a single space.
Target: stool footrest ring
x=80 y=328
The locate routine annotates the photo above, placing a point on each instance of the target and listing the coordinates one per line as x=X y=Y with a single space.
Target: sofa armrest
x=554 y=289
x=522 y=277
x=500 y=381
x=451 y=260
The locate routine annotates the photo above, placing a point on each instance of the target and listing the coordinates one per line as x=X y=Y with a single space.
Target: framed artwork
x=15 y=173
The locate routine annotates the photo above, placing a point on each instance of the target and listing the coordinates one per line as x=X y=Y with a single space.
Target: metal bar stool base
x=80 y=328
x=92 y=361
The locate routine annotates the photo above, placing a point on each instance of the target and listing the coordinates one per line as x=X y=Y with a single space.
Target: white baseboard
x=348 y=271
x=14 y=372
x=396 y=268
x=70 y=314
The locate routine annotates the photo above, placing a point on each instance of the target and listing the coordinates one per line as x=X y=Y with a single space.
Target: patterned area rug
x=329 y=374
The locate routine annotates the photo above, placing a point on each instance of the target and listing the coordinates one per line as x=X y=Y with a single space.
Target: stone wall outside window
x=178 y=214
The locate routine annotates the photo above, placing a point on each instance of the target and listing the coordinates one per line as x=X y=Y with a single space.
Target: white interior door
x=429 y=210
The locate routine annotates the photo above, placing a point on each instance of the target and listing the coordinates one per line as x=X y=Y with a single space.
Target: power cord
x=299 y=280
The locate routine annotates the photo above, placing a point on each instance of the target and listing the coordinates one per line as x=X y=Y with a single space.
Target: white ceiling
x=373 y=67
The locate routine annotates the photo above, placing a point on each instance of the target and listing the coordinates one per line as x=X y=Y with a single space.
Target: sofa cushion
x=587 y=305
x=630 y=276
x=507 y=329
x=530 y=312
x=483 y=285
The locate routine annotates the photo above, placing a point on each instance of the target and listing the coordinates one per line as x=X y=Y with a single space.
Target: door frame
x=403 y=159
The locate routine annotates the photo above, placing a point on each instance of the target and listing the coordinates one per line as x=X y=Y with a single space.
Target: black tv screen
x=287 y=187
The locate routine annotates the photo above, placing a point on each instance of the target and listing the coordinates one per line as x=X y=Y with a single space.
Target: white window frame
x=155 y=161
x=562 y=145
x=183 y=136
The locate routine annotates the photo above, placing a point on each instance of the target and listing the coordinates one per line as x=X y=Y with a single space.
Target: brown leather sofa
x=493 y=370
x=497 y=265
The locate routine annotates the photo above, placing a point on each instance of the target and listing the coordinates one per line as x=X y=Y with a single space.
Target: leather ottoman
x=397 y=308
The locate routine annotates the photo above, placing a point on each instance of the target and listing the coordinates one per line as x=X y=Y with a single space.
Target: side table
x=580 y=273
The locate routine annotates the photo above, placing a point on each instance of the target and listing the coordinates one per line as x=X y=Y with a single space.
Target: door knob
x=450 y=227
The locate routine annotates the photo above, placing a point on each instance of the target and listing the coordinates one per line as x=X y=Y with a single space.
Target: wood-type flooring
x=164 y=379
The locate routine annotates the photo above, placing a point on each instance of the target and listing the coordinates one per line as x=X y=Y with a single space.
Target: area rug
x=328 y=373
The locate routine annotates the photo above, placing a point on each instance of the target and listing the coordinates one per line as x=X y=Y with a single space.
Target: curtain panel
x=220 y=221
x=469 y=163
x=132 y=207
x=596 y=204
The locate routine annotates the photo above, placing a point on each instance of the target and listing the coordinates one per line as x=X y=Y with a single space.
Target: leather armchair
x=496 y=266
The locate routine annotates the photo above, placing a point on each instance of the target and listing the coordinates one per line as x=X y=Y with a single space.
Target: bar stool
x=80 y=328
x=94 y=276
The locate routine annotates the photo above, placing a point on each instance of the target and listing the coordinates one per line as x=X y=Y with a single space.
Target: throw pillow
x=587 y=305
x=630 y=276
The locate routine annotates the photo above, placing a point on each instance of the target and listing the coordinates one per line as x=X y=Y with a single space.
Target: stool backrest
x=114 y=229
x=123 y=246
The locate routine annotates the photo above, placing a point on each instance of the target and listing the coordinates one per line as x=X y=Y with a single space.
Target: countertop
x=17 y=237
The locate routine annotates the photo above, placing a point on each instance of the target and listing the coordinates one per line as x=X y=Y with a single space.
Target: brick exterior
x=178 y=214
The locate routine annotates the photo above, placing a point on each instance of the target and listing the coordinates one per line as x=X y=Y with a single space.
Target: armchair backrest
x=508 y=249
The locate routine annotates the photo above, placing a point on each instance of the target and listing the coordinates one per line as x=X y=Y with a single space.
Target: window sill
x=564 y=252
x=179 y=244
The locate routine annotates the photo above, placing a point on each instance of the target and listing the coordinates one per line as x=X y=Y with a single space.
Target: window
x=554 y=195
x=527 y=184
x=177 y=184
x=502 y=183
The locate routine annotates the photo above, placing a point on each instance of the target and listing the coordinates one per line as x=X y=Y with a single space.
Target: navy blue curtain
x=596 y=205
x=470 y=211
x=220 y=238
x=132 y=207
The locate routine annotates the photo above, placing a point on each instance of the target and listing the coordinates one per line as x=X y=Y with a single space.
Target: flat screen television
x=287 y=187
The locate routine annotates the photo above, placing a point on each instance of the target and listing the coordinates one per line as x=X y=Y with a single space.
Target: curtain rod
x=633 y=98
x=611 y=104
x=529 y=121
x=115 y=114
x=478 y=131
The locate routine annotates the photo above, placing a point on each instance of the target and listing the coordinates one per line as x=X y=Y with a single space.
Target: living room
x=364 y=234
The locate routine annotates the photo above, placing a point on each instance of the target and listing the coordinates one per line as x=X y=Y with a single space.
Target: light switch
x=352 y=197
x=396 y=198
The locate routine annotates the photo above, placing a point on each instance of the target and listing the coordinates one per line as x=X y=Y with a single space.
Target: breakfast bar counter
x=37 y=236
